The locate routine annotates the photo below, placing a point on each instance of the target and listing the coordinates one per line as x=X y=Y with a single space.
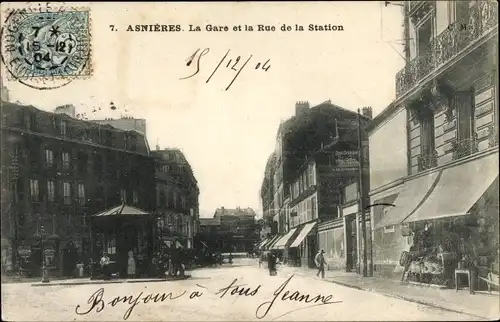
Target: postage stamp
x=40 y=48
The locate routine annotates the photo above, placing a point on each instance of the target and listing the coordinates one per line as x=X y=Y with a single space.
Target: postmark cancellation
x=41 y=47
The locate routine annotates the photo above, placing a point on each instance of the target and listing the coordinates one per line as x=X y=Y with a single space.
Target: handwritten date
x=234 y=64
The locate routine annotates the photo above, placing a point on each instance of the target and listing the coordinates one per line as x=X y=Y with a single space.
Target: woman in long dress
x=131 y=264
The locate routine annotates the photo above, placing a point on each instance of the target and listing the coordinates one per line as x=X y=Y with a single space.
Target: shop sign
x=351 y=192
x=24 y=251
x=49 y=256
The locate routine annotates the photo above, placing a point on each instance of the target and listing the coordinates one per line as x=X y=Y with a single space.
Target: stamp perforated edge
x=89 y=65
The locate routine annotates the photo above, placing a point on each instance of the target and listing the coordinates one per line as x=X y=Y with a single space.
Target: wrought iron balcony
x=482 y=19
x=427 y=161
x=464 y=148
x=493 y=136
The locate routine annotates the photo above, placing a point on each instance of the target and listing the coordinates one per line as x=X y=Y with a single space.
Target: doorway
x=351 y=243
x=312 y=248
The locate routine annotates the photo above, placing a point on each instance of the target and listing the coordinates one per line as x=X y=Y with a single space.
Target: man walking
x=320 y=263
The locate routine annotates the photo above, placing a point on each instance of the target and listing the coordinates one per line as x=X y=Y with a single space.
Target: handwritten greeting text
x=234 y=64
x=97 y=303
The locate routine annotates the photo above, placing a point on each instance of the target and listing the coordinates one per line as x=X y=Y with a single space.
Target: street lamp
x=45 y=277
x=160 y=225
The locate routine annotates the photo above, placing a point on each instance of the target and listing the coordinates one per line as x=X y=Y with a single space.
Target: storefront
x=388 y=213
x=305 y=246
x=7 y=265
x=282 y=245
x=271 y=241
x=121 y=230
x=457 y=225
x=31 y=253
x=331 y=240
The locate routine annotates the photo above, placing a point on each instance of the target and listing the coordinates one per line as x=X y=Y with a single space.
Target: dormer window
x=62 y=128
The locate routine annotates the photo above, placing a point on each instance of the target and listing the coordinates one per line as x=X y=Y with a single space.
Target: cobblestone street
x=24 y=302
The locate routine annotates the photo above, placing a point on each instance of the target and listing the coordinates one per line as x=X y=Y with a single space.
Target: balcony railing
x=464 y=148
x=482 y=18
x=493 y=137
x=427 y=161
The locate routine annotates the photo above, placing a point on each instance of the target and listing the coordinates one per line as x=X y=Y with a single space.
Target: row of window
x=167 y=198
x=66 y=194
x=304 y=211
x=181 y=224
x=123 y=196
x=49 y=158
x=173 y=168
x=51 y=191
x=445 y=13
x=85 y=134
x=306 y=180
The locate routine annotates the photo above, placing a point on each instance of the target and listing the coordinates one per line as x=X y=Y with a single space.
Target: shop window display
x=441 y=247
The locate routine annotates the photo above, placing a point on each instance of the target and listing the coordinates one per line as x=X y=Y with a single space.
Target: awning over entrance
x=459 y=188
x=261 y=243
x=411 y=196
x=122 y=210
x=272 y=241
x=280 y=244
x=267 y=241
x=302 y=235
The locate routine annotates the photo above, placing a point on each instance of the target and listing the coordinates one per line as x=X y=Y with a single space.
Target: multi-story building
x=239 y=231
x=434 y=150
x=267 y=199
x=316 y=147
x=177 y=193
x=57 y=172
x=125 y=123
x=207 y=237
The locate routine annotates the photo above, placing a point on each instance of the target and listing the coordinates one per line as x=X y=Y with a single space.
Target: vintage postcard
x=246 y=161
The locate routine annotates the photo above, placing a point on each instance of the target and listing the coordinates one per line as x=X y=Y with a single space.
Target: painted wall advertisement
x=346 y=161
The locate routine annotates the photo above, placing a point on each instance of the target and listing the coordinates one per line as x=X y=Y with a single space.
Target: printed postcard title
x=230 y=28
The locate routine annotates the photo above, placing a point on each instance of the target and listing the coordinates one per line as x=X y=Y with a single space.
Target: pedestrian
x=105 y=261
x=271 y=263
x=131 y=264
x=320 y=263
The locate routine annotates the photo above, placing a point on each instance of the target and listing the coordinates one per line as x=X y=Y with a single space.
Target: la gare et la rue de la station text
x=224 y=28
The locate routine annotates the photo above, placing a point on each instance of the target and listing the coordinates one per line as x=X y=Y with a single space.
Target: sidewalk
x=481 y=304
x=87 y=281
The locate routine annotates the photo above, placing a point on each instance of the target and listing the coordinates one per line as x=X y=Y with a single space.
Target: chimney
x=301 y=108
x=367 y=112
x=68 y=109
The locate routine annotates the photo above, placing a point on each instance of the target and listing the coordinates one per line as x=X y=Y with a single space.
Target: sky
x=227 y=135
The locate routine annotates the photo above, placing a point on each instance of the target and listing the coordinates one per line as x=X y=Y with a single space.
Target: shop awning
x=272 y=241
x=122 y=210
x=302 y=235
x=260 y=243
x=411 y=196
x=459 y=188
x=280 y=244
x=267 y=241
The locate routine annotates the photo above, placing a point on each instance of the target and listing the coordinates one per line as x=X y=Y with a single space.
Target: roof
x=238 y=212
x=209 y=221
x=122 y=210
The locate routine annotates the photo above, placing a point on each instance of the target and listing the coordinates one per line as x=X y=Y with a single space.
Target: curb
x=397 y=296
x=109 y=282
x=408 y=299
